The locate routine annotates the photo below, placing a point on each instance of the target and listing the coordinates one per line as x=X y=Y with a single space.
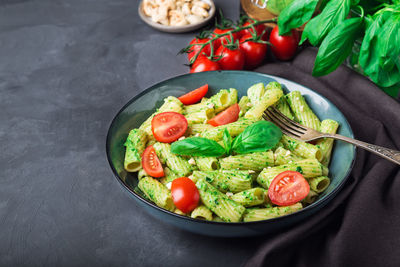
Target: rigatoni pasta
x=234 y=187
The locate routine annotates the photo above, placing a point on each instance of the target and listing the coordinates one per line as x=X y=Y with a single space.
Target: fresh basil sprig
x=295 y=15
x=317 y=28
x=337 y=46
x=372 y=53
x=260 y=136
x=197 y=146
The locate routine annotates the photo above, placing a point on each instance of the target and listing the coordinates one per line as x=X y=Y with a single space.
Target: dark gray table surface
x=66 y=68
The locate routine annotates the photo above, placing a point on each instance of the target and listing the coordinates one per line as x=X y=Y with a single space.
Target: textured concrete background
x=66 y=68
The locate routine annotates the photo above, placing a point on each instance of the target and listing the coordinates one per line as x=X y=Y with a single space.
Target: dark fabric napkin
x=361 y=225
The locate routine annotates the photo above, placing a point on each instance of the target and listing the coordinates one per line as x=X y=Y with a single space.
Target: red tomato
x=254 y=52
x=167 y=127
x=223 y=40
x=229 y=115
x=194 y=96
x=196 y=48
x=151 y=164
x=288 y=188
x=204 y=64
x=259 y=30
x=283 y=47
x=185 y=194
x=231 y=59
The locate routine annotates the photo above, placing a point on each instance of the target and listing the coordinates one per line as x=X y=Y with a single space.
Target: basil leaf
x=337 y=46
x=295 y=15
x=317 y=28
x=371 y=52
x=197 y=146
x=389 y=43
x=260 y=136
x=227 y=141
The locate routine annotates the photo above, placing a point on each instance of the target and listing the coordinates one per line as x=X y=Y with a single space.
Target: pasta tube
x=227 y=209
x=268 y=99
x=135 y=145
x=250 y=197
x=326 y=144
x=252 y=161
x=157 y=193
x=269 y=213
x=302 y=112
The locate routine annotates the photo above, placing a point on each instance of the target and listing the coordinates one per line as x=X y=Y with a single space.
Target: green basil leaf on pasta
x=337 y=46
x=317 y=28
x=295 y=15
x=260 y=136
x=227 y=142
x=197 y=146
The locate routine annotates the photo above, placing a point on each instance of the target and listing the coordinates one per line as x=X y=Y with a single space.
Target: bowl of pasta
x=195 y=152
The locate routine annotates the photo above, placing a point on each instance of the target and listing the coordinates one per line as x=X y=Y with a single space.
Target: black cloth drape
x=361 y=226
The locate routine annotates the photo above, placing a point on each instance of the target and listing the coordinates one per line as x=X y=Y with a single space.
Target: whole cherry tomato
x=204 y=64
x=283 y=47
x=224 y=39
x=254 y=52
x=185 y=194
x=232 y=59
x=197 y=48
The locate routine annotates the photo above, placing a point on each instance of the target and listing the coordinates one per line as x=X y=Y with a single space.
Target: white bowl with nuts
x=176 y=15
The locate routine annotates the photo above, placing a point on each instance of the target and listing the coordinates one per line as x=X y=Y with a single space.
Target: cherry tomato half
x=229 y=115
x=254 y=52
x=288 y=188
x=151 y=164
x=224 y=39
x=283 y=47
x=167 y=127
x=194 y=96
x=197 y=48
x=185 y=194
x=231 y=59
x=204 y=64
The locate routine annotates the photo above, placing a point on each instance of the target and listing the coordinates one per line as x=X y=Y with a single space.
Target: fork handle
x=389 y=154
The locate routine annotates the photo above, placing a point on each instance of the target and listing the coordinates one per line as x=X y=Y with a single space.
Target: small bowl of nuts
x=176 y=15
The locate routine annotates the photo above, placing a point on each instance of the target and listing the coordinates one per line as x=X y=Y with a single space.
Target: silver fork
x=300 y=132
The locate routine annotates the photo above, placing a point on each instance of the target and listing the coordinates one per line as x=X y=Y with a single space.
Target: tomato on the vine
x=223 y=39
x=288 y=188
x=185 y=194
x=283 y=47
x=231 y=59
x=197 y=48
x=254 y=52
x=167 y=127
x=151 y=164
x=204 y=64
x=259 y=30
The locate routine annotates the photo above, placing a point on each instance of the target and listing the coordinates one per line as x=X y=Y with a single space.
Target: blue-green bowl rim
x=233 y=224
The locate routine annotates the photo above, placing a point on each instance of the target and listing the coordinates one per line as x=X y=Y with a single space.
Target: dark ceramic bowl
x=143 y=105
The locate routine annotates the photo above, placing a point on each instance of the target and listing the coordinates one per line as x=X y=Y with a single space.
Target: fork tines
x=288 y=126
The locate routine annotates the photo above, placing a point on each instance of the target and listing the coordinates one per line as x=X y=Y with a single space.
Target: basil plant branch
x=337 y=27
